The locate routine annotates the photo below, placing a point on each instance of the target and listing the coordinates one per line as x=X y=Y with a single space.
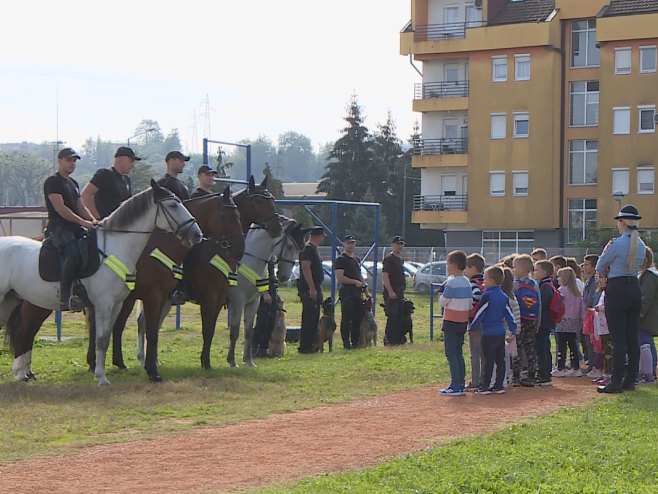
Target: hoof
x=92 y=368
x=120 y=366
x=156 y=379
x=233 y=365
x=102 y=381
x=249 y=363
x=29 y=375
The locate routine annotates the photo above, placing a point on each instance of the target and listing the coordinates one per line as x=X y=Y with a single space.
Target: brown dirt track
x=308 y=442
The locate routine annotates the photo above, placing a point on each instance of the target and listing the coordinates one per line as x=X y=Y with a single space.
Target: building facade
x=534 y=112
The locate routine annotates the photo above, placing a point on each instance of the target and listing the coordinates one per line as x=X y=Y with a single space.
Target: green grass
x=606 y=447
x=65 y=409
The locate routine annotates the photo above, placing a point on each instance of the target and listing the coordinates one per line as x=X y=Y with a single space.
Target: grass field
x=65 y=409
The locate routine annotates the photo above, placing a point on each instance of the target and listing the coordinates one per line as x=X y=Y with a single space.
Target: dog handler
x=348 y=274
x=394 y=286
x=309 y=288
x=620 y=262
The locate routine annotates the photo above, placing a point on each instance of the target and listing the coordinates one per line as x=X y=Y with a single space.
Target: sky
x=70 y=69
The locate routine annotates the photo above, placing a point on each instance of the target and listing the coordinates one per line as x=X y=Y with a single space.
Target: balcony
x=441 y=96
x=440 y=209
x=453 y=30
x=448 y=151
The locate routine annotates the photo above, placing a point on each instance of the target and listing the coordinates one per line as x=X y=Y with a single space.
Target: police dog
x=368 y=328
x=408 y=309
x=327 y=325
x=277 y=344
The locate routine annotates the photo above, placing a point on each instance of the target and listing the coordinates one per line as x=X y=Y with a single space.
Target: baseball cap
x=176 y=154
x=349 y=238
x=398 y=239
x=314 y=230
x=128 y=152
x=67 y=153
x=206 y=169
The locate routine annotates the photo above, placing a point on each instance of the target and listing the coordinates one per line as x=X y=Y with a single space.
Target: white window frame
x=496 y=244
x=579 y=206
x=645 y=169
x=589 y=99
x=625 y=186
x=524 y=177
x=496 y=193
x=640 y=109
x=504 y=133
x=520 y=58
x=585 y=154
x=493 y=68
x=519 y=117
x=617 y=110
x=643 y=49
x=590 y=36
x=622 y=70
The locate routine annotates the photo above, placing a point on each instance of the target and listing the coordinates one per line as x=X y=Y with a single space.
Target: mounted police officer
x=206 y=176
x=67 y=219
x=175 y=164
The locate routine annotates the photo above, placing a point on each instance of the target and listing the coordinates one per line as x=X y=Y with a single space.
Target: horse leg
x=235 y=315
x=209 y=312
x=28 y=319
x=155 y=310
x=249 y=314
x=90 y=322
x=117 y=332
x=105 y=315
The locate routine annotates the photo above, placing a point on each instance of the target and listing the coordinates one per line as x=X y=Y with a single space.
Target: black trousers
x=394 y=321
x=570 y=339
x=493 y=349
x=350 y=323
x=310 y=320
x=623 y=301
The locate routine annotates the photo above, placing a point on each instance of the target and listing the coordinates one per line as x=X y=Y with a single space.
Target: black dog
x=326 y=326
x=407 y=322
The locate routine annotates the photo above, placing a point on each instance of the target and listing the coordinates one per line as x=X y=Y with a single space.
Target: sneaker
x=558 y=373
x=498 y=391
x=603 y=380
x=484 y=391
x=528 y=383
x=544 y=382
x=644 y=379
x=452 y=392
x=595 y=373
x=516 y=383
x=470 y=388
x=574 y=373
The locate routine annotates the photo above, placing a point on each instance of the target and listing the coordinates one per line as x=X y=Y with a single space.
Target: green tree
x=296 y=159
x=22 y=177
x=223 y=166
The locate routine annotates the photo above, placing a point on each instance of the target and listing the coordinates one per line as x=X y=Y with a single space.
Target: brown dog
x=368 y=328
x=327 y=325
x=277 y=344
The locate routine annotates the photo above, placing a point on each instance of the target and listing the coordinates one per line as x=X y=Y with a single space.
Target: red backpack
x=556 y=309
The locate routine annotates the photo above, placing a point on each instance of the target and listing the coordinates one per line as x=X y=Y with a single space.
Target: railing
x=441 y=203
x=448 y=145
x=440 y=89
x=427 y=32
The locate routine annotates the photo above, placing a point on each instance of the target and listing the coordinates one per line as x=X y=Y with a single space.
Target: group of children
x=510 y=311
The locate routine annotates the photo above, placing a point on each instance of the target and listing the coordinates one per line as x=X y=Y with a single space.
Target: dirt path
x=288 y=446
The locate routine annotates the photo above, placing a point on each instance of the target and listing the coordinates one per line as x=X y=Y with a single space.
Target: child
x=571 y=325
x=474 y=268
x=601 y=333
x=494 y=311
x=511 y=349
x=456 y=300
x=526 y=291
x=543 y=272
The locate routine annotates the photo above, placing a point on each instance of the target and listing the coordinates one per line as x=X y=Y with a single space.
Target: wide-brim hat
x=628 y=212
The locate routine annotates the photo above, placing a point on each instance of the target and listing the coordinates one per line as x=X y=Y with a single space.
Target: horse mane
x=255 y=191
x=129 y=211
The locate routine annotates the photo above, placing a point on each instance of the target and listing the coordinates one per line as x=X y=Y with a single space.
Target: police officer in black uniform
x=206 y=176
x=309 y=288
x=175 y=164
x=394 y=287
x=109 y=187
x=348 y=274
x=67 y=217
x=270 y=302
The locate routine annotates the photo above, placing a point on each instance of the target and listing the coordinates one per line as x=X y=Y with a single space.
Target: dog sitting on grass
x=368 y=328
x=277 y=344
x=327 y=325
x=408 y=309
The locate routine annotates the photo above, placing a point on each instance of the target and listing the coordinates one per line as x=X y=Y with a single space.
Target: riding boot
x=68 y=301
x=179 y=295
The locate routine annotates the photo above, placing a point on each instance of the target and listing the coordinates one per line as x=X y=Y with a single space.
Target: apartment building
x=534 y=113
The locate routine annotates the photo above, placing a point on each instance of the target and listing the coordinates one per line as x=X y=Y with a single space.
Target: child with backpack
x=511 y=349
x=526 y=291
x=551 y=307
x=570 y=326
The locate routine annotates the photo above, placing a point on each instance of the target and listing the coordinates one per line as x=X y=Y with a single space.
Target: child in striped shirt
x=456 y=300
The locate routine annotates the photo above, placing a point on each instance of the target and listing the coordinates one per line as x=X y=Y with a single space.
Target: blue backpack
x=528 y=298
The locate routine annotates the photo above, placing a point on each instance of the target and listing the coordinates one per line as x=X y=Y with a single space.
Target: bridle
x=271 y=220
x=286 y=237
x=224 y=242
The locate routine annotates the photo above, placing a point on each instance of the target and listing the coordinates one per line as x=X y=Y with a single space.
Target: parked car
x=432 y=272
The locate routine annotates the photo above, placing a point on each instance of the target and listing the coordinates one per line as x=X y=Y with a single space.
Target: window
x=584 y=52
x=646 y=114
x=622 y=60
x=497 y=184
x=498 y=69
x=583 y=162
x=582 y=219
x=584 y=103
x=521 y=67
x=621 y=120
x=645 y=180
x=520 y=183
x=647 y=58
x=498 y=125
x=521 y=125
x=620 y=180
x=496 y=245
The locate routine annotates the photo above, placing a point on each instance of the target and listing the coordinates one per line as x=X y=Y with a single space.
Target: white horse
x=244 y=298
x=26 y=300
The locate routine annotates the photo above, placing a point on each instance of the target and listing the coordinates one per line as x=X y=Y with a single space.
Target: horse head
x=288 y=248
x=173 y=217
x=256 y=205
x=229 y=219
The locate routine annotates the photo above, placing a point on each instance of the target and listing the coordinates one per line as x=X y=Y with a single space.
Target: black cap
x=349 y=238
x=127 y=152
x=176 y=154
x=67 y=153
x=206 y=169
x=314 y=230
x=398 y=239
x=628 y=212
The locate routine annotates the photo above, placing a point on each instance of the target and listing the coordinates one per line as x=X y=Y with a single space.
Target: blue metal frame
x=246 y=146
x=433 y=290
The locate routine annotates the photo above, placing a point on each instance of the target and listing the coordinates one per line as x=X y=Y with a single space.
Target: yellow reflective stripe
x=222 y=266
x=253 y=277
x=121 y=271
x=175 y=269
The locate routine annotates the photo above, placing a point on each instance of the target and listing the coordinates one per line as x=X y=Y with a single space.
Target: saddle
x=50 y=266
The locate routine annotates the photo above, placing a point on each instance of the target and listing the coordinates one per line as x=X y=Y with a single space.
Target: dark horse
x=209 y=286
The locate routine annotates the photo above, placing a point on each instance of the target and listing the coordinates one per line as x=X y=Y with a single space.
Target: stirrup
x=177 y=297
x=75 y=304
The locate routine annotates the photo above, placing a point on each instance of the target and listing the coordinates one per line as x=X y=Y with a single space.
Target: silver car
x=432 y=272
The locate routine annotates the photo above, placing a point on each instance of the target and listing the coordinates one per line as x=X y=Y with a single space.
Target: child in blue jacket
x=493 y=311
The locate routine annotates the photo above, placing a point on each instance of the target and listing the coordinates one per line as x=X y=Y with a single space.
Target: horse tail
x=13 y=325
